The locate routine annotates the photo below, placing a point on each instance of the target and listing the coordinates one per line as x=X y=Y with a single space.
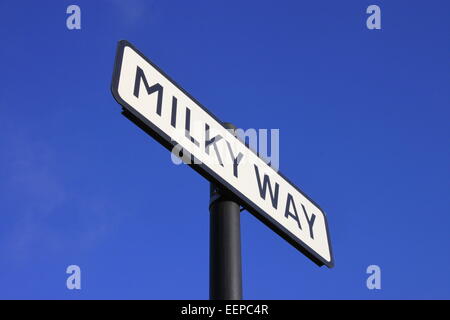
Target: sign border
x=167 y=142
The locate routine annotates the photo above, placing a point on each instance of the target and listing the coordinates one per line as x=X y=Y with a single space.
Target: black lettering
x=209 y=141
x=310 y=221
x=235 y=160
x=154 y=88
x=173 y=118
x=188 y=127
x=212 y=141
x=263 y=188
x=288 y=212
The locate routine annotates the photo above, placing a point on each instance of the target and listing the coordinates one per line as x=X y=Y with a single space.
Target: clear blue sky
x=364 y=130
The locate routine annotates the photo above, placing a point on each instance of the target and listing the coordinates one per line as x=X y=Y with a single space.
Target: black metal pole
x=225 y=270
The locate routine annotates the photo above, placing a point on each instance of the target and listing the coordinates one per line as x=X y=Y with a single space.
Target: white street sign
x=178 y=121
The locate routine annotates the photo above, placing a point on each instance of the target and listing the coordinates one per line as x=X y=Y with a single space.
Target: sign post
x=225 y=269
x=164 y=110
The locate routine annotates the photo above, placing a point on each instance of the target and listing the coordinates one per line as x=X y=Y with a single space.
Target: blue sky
x=364 y=130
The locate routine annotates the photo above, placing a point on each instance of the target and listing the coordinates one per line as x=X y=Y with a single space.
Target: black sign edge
x=168 y=143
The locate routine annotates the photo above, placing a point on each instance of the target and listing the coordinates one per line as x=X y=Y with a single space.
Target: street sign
x=159 y=106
